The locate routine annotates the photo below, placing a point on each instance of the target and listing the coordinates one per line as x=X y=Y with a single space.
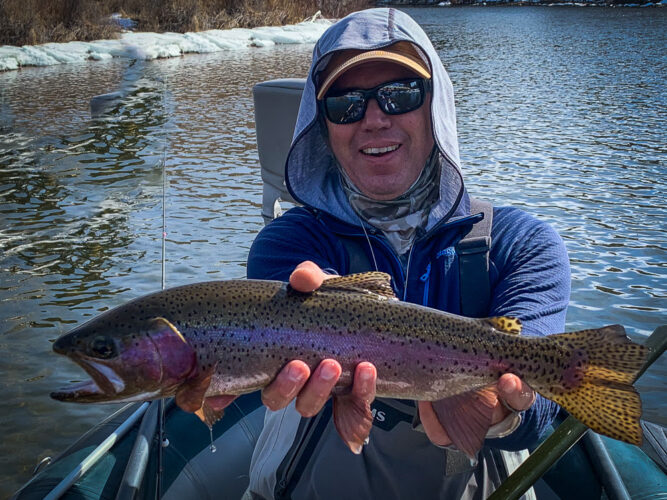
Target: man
x=375 y=163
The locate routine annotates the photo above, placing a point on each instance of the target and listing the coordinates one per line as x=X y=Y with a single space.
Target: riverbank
x=32 y=22
x=534 y=3
x=146 y=46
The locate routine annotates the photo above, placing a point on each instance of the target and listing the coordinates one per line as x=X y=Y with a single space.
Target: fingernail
x=510 y=388
x=294 y=374
x=365 y=380
x=328 y=371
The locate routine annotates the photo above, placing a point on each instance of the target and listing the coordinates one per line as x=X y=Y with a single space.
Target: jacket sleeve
x=289 y=240
x=531 y=281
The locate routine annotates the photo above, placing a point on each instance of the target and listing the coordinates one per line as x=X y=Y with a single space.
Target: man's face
x=406 y=140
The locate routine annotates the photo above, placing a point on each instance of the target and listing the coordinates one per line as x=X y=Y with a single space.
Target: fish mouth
x=105 y=384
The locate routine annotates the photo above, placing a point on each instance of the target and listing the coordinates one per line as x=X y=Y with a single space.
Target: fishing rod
x=153 y=420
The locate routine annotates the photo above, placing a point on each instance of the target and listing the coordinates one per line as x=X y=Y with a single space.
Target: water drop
x=213 y=448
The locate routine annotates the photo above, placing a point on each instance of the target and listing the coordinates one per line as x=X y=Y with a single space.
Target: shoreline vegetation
x=32 y=22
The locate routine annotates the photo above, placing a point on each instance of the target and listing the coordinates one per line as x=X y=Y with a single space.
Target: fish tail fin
x=594 y=380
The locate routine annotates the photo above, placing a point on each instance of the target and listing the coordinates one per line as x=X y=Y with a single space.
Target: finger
x=286 y=385
x=317 y=390
x=432 y=425
x=365 y=377
x=515 y=392
x=307 y=277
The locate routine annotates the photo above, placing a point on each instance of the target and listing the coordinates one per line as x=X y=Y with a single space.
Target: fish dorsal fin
x=374 y=282
x=505 y=324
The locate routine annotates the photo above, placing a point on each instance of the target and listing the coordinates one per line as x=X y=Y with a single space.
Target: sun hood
x=310 y=173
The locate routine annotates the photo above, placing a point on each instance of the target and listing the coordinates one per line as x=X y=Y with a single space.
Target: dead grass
x=39 y=21
x=30 y=22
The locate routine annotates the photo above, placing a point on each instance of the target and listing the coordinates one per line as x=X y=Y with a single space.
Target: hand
x=511 y=389
x=295 y=380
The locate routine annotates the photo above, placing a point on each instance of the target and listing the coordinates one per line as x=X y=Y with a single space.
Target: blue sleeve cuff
x=534 y=422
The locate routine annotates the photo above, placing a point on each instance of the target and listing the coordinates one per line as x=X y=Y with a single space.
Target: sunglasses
x=393 y=98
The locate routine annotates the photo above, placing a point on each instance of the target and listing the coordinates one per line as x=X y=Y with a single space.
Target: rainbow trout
x=207 y=343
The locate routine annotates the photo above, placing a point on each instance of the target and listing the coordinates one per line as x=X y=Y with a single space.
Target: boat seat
x=276 y=107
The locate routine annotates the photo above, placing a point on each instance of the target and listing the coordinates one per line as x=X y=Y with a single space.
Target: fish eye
x=103 y=347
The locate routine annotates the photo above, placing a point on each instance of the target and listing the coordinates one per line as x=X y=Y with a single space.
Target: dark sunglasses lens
x=400 y=97
x=346 y=108
x=393 y=98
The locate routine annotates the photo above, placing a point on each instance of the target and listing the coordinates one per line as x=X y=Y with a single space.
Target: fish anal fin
x=213 y=408
x=373 y=282
x=505 y=324
x=353 y=420
x=190 y=394
x=467 y=417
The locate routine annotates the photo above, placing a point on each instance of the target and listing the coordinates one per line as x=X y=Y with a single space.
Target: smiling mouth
x=380 y=151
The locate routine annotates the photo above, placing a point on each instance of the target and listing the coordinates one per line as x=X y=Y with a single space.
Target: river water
x=561 y=111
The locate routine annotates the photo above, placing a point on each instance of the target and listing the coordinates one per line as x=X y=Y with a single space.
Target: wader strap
x=358 y=260
x=473 y=252
x=296 y=459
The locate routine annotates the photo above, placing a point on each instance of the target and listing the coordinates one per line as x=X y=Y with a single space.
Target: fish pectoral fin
x=213 y=408
x=190 y=394
x=467 y=417
x=505 y=324
x=373 y=282
x=353 y=420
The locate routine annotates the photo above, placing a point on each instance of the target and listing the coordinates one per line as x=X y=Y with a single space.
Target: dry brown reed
x=29 y=22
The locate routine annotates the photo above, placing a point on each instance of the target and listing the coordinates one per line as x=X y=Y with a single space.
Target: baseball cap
x=403 y=53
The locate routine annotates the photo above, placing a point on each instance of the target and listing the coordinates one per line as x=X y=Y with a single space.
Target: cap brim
x=370 y=56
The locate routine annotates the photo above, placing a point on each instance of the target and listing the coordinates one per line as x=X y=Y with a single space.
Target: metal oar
x=96 y=454
x=565 y=436
x=136 y=464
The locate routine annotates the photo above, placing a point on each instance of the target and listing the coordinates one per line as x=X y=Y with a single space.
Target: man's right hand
x=295 y=380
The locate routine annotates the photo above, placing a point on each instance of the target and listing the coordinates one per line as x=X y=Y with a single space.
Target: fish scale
x=207 y=342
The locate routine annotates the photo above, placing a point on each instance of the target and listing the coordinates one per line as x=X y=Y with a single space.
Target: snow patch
x=148 y=46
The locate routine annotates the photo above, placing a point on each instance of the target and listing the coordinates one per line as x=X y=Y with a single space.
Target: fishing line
x=162 y=439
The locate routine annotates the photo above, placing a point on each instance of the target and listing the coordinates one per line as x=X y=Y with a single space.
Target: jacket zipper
x=425 y=278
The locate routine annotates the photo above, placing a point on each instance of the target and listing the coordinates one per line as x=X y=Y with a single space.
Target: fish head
x=127 y=360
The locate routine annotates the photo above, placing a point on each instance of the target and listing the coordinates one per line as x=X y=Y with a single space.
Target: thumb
x=515 y=393
x=307 y=277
